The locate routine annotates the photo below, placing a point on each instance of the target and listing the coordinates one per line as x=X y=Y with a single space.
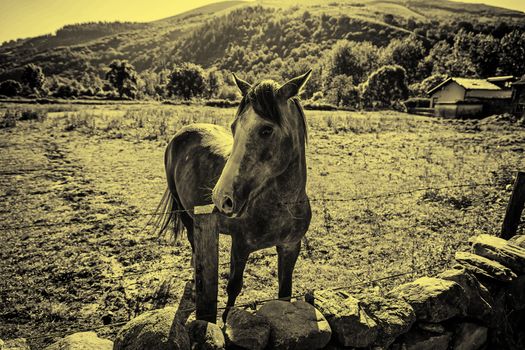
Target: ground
x=391 y=193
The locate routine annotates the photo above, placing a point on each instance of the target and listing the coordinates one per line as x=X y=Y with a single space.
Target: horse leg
x=287 y=256
x=238 y=258
x=188 y=223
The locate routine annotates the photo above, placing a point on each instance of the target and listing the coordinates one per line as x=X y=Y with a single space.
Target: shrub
x=8 y=120
x=66 y=91
x=319 y=106
x=10 y=88
x=417 y=102
x=229 y=93
x=33 y=115
x=221 y=103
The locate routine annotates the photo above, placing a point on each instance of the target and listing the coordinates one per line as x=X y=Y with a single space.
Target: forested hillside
x=344 y=42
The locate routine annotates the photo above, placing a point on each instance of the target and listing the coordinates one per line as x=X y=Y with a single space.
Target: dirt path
x=74 y=256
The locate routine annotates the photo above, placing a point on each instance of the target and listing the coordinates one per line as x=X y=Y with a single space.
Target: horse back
x=194 y=160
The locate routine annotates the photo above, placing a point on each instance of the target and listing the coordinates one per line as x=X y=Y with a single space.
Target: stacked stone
x=466 y=307
x=470 y=306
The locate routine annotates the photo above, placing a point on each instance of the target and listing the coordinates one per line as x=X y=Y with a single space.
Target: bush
x=319 y=106
x=33 y=115
x=8 y=120
x=221 y=103
x=229 y=93
x=66 y=91
x=417 y=102
x=10 y=88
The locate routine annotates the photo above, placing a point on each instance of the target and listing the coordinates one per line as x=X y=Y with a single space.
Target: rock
x=480 y=301
x=518 y=240
x=246 y=330
x=205 y=336
x=394 y=317
x=433 y=299
x=157 y=329
x=16 y=344
x=500 y=250
x=516 y=294
x=82 y=341
x=349 y=322
x=482 y=266
x=469 y=336
x=421 y=340
x=295 y=325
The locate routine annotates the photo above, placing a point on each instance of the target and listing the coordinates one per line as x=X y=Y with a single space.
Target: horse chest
x=269 y=227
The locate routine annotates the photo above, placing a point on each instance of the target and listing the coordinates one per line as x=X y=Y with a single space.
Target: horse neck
x=291 y=184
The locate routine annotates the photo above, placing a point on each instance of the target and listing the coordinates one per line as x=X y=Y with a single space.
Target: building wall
x=451 y=92
x=453 y=110
x=501 y=94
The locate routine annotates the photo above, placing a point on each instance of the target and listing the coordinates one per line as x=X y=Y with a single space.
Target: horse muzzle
x=228 y=206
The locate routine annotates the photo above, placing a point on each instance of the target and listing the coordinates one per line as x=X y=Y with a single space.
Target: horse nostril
x=227 y=205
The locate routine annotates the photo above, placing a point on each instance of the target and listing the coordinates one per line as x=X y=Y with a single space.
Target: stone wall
x=477 y=304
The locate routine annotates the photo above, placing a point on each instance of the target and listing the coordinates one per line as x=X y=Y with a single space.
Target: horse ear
x=244 y=86
x=293 y=87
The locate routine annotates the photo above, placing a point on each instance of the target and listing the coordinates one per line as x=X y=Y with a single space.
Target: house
x=471 y=98
x=518 y=97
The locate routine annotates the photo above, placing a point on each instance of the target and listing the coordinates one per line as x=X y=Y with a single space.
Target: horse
x=255 y=176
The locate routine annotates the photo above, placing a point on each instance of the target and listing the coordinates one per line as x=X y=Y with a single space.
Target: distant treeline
x=350 y=57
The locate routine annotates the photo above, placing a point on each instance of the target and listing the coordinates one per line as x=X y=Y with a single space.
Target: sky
x=27 y=18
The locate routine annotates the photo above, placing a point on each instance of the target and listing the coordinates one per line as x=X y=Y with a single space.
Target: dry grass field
x=391 y=193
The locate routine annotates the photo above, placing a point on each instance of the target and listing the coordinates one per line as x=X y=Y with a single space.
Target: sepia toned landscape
x=399 y=179
x=391 y=192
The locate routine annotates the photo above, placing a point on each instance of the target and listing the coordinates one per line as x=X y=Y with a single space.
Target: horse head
x=269 y=132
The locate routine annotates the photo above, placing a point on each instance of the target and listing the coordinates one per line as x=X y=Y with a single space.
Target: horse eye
x=266 y=131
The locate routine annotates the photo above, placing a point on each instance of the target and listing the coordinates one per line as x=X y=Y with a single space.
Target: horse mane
x=263 y=99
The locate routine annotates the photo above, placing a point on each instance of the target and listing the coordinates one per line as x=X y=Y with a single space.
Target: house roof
x=469 y=84
x=521 y=81
x=502 y=78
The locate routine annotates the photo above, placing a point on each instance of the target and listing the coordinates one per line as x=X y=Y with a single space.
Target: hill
x=238 y=35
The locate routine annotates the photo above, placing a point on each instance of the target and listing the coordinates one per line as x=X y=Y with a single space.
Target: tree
x=407 y=53
x=33 y=78
x=384 y=87
x=342 y=92
x=292 y=68
x=421 y=89
x=187 y=80
x=10 y=88
x=480 y=49
x=451 y=61
x=123 y=77
x=215 y=81
x=512 y=53
x=352 y=59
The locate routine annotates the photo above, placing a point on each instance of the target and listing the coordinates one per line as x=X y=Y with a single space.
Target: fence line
x=312 y=200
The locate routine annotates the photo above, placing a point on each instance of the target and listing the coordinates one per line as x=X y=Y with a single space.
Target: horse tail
x=168 y=216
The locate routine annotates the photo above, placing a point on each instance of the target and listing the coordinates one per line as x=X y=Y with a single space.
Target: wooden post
x=514 y=208
x=206 y=263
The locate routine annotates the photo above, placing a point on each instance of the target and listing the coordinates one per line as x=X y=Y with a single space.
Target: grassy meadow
x=391 y=193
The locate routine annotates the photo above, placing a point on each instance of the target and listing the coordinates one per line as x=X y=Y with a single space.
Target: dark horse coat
x=255 y=175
